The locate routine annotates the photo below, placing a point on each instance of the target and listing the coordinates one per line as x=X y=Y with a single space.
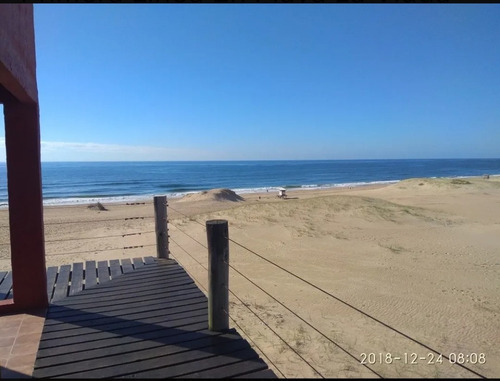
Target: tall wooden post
x=161 y=228
x=19 y=96
x=29 y=278
x=218 y=275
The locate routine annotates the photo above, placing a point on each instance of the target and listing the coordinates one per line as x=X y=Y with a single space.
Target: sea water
x=87 y=182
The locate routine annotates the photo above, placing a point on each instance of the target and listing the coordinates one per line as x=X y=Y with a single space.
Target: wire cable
x=272 y=297
x=100 y=250
x=338 y=299
x=183 y=214
x=86 y=238
x=276 y=333
x=180 y=247
x=353 y=307
x=206 y=291
x=194 y=239
x=303 y=320
x=255 y=344
x=89 y=204
x=190 y=274
x=103 y=220
x=90 y=238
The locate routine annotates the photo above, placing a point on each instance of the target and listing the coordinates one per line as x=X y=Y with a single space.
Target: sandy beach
x=397 y=271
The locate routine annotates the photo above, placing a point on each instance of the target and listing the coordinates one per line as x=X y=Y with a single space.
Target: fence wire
x=100 y=237
x=416 y=341
x=95 y=238
x=239 y=326
x=246 y=305
x=100 y=250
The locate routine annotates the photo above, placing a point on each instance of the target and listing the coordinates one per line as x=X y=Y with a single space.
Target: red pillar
x=22 y=140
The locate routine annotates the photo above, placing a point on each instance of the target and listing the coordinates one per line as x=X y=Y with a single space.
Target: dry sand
x=410 y=268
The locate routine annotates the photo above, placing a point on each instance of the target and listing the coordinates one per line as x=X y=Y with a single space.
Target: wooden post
x=160 y=203
x=218 y=275
x=22 y=137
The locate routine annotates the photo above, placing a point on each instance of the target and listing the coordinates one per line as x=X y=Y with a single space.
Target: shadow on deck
x=148 y=323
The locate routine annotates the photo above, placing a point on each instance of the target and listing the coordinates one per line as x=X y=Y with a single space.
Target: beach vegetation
x=394 y=248
x=460 y=182
x=98 y=206
x=300 y=337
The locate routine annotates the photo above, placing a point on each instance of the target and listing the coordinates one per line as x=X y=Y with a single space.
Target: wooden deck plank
x=118 y=301
x=103 y=271
x=130 y=329
x=261 y=374
x=146 y=363
x=51 y=280
x=141 y=283
x=150 y=305
x=127 y=265
x=138 y=263
x=90 y=348
x=115 y=268
x=140 y=279
x=149 y=260
x=111 y=323
x=235 y=364
x=150 y=322
x=117 y=296
x=96 y=324
x=186 y=291
x=139 y=351
x=6 y=286
x=112 y=326
x=80 y=277
x=203 y=359
x=90 y=274
x=181 y=363
x=151 y=333
x=76 y=278
x=3 y=295
x=62 y=283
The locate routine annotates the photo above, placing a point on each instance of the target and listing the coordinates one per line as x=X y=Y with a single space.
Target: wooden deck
x=68 y=280
x=148 y=320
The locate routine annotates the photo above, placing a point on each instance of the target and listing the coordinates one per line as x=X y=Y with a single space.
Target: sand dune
x=447 y=184
x=220 y=194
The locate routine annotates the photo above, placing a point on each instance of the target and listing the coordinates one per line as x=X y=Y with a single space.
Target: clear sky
x=267 y=81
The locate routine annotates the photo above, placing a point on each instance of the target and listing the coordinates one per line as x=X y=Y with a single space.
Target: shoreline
x=113 y=200
x=246 y=192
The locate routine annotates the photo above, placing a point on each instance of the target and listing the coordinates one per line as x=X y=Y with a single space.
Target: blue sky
x=267 y=81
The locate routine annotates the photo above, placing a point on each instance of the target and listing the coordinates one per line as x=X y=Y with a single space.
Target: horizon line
x=261 y=160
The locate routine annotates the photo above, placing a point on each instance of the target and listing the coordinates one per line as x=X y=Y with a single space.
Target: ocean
x=88 y=182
